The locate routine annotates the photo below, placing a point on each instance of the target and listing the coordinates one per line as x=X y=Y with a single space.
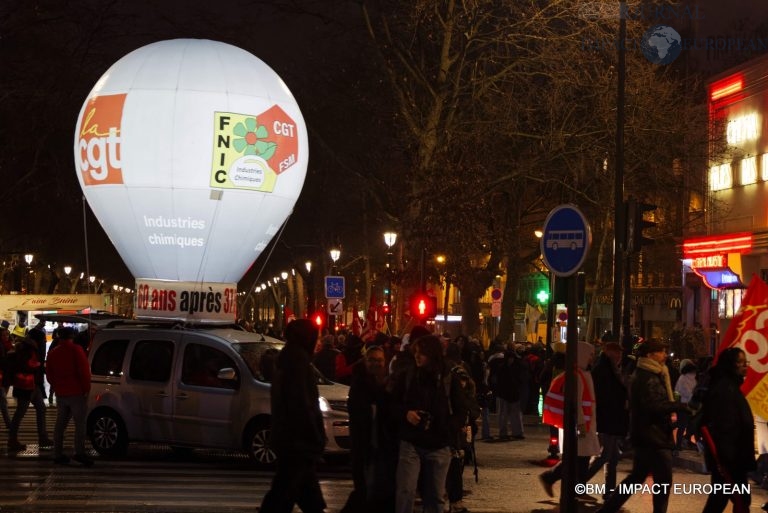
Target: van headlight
x=324 y=406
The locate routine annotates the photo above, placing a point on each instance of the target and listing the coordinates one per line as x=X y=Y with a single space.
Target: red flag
x=748 y=330
x=357 y=326
x=369 y=333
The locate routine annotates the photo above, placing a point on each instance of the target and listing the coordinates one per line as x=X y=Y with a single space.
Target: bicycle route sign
x=566 y=240
x=334 y=287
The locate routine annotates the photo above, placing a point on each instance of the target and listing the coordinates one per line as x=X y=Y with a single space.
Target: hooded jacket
x=297 y=423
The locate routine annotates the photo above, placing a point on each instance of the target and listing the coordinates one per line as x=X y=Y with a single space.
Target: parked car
x=192 y=387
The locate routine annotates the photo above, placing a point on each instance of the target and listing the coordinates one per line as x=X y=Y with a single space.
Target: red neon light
x=726 y=87
x=721 y=244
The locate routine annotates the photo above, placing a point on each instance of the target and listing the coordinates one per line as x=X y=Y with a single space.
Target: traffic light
x=319 y=319
x=423 y=306
x=385 y=309
x=637 y=225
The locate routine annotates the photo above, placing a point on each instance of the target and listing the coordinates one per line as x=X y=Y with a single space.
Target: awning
x=720 y=278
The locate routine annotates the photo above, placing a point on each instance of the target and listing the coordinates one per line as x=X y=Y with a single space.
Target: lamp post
x=286 y=294
x=389 y=239
x=309 y=288
x=335 y=255
x=28 y=259
x=92 y=279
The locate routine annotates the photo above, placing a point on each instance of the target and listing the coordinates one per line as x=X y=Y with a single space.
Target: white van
x=192 y=387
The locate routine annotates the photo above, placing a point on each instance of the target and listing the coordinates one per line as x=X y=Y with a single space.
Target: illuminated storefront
x=732 y=245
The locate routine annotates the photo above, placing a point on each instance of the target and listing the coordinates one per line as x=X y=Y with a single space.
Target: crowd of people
x=26 y=361
x=417 y=405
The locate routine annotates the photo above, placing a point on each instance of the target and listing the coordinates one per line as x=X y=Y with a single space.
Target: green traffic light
x=542 y=296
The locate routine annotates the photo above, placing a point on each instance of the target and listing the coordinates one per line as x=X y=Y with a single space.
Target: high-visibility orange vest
x=554 y=401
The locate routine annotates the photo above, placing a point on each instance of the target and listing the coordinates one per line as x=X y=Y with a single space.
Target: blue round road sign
x=566 y=240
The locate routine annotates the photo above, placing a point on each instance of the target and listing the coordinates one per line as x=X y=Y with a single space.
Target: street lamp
x=389 y=239
x=91 y=279
x=335 y=255
x=28 y=259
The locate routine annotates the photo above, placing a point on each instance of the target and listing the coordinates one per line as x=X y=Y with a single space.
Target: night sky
x=52 y=53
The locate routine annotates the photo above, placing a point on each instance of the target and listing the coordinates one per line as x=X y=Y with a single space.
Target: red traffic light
x=318 y=319
x=423 y=306
x=385 y=309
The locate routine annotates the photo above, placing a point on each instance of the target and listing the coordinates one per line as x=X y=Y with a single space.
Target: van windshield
x=260 y=357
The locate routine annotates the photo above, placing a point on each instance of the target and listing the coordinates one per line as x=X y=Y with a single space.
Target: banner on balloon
x=748 y=330
x=186 y=301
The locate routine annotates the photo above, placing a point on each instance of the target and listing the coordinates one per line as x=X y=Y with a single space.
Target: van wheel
x=108 y=434
x=258 y=447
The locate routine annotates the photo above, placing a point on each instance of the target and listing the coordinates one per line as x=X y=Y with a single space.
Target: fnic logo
x=98 y=143
x=251 y=151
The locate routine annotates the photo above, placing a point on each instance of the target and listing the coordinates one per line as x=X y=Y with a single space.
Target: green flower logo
x=251 y=139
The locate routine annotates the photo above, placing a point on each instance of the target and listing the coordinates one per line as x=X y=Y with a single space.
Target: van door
x=150 y=399
x=206 y=408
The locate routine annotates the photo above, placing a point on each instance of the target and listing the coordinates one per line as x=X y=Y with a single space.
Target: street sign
x=496 y=302
x=334 y=287
x=335 y=307
x=566 y=240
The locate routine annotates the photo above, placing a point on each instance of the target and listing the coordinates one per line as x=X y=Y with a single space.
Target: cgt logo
x=98 y=143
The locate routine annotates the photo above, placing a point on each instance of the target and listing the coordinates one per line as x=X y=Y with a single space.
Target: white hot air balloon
x=191 y=153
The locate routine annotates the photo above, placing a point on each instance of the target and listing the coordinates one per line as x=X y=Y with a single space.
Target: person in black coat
x=611 y=397
x=728 y=418
x=373 y=436
x=297 y=431
x=652 y=403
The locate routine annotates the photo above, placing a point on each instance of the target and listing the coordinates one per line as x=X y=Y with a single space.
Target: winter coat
x=440 y=395
x=325 y=361
x=23 y=368
x=68 y=370
x=650 y=411
x=612 y=398
x=297 y=423
x=369 y=407
x=729 y=419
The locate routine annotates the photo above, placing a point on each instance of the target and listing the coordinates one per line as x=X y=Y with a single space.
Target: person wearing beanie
x=652 y=404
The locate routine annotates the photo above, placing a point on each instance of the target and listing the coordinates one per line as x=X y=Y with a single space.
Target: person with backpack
x=429 y=408
x=463 y=440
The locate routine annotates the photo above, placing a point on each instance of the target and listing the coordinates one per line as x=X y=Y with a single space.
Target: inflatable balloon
x=191 y=153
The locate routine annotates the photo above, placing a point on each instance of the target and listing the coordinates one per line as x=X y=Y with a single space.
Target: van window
x=260 y=357
x=108 y=359
x=152 y=360
x=202 y=365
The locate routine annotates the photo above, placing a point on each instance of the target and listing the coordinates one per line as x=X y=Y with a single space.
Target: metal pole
x=619 y=242
x=570 y=440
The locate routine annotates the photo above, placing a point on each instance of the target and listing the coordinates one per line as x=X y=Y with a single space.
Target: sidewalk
x=508 y=479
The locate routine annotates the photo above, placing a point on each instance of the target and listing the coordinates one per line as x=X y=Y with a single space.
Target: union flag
x=748 y=330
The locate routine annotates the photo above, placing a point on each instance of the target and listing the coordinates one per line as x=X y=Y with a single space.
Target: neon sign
x=743 y=128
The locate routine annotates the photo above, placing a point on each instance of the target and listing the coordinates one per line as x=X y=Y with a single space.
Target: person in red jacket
x=70 y=375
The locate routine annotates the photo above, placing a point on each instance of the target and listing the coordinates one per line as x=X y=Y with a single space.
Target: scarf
x=657 y=368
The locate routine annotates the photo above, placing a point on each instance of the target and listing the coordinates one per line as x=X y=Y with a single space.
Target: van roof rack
x=175 y=324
